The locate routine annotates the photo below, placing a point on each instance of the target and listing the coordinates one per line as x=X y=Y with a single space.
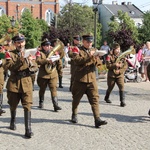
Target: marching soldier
x=115 y=74
x=2 y=53
x=59 y=68
x=76 y=42
x=19 y=84
x=45 y=78
x=85 y=79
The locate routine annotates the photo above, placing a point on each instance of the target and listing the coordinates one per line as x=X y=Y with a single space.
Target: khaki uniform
x=1 y=78
x=1 y=87
x=45 y=79
x=19 y=84
x=85 y=81
x=72 y=66
x=113 y=78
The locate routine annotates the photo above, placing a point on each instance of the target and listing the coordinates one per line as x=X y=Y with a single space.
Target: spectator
x=146 y=58
x=106 y=48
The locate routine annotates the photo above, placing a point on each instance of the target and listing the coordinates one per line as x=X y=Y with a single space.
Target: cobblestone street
x=128 y=128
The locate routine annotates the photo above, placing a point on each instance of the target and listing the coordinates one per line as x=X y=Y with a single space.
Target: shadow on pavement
x=123 y=118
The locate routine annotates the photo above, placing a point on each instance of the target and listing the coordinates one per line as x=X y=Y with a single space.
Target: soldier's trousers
x=111 y=83
x=91 y=90
x=15 y=98
x=51 y=83
x=1 y=87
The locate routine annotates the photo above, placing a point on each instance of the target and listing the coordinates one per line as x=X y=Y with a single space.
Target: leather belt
x=23 y=73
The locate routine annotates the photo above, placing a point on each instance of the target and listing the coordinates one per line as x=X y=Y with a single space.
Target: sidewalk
x=128 y=128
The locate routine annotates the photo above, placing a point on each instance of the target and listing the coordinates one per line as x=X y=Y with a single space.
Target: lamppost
x=95 y=9
x=13 y=21
x=17 y=10
x=32 y=7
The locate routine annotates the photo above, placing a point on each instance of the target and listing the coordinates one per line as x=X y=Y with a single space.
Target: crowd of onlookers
x=141 y=58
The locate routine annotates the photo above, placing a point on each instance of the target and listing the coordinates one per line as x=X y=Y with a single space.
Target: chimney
x=114 y=2
x=123 y=3
x=129 y=3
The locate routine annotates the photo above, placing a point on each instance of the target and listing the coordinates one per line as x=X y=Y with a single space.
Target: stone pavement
x=128 y=128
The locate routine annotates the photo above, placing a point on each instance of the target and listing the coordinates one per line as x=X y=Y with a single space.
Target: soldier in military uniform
x=115 y=74
x=59 y=68
x=19 y=84
x=2 y=61
x=85 y=79
x=76 y=42
x=44 y=78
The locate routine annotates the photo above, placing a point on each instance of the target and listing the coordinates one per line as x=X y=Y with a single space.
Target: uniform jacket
x=70 y=54
x=59 y=68
x=1 y=74
x=42 y=61
x=16 y=64
x=111 y=66
x=85 y=66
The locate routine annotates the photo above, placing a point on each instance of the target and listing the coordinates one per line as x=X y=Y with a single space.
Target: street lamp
x=95 y=9
x=17 y=10
x=13 y=21
x=32 y=6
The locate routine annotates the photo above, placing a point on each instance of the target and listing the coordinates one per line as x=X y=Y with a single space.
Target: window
x=49 y=15
x=1 y=11
x=24 y=10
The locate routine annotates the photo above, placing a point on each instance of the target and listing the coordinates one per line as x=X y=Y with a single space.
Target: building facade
x=106 y=11
x=41 y=9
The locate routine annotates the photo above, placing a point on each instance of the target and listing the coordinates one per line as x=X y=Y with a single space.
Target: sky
x=143 y=5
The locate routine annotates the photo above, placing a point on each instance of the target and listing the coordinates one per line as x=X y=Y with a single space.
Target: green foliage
x=31 y=29
x=43 y=25
x=123 y=31
x=77 y=19
x=4 y=25
x=144 y=31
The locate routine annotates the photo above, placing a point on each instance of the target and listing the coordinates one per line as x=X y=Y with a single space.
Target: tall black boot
x=1 y=103
x=107 y=97
x=12 y=121
x=55 y=104
x=27 y=120
x=41 y=101
x=122 y=98
x=60 y=82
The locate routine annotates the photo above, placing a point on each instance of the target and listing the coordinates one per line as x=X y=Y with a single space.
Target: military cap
x=88 y=37
x=18 y=38
x=76 y=37
x=45 y=42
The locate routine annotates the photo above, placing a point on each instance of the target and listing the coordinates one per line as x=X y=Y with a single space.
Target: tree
x=77 y=19
x=31 y=29
x=43 y=25
x=144 y=30
x=4 y=25
x=123 y=31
